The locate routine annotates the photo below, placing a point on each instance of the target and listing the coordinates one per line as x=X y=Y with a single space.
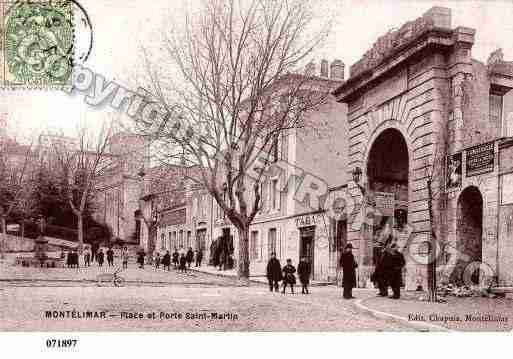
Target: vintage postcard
x=255 y=165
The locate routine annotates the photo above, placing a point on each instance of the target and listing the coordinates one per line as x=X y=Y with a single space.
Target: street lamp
x=357 y=175
x=141 y=172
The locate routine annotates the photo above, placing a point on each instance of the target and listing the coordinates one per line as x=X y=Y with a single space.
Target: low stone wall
x=17 y=244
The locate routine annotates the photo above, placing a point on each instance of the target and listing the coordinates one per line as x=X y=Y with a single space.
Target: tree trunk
x=432 y=241
x=152 y=238
x=4 y=236
x=243 y=265
x=80 y=230
x=23 y=228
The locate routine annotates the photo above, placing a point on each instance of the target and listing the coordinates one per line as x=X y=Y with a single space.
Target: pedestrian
x=274 y=275
x=349 y=266
x=100 y=258
x=110 y=257
x=75 y=259
x=189 y=256
x=94 y=251
x=157 y=261
x=175 y=258
x=124 y=257
x=166 y=261
x=199 y=257
x=69 y=259
x=288 y=276
x=304 y=271
x=393 y=265
x=183 y=263
x=87 y=257
x=140 y=258
x=222 y=261
x=379 y=276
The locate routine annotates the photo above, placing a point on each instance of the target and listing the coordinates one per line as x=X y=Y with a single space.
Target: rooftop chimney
x=337 y=70
x=441 y=16
x=324 y=68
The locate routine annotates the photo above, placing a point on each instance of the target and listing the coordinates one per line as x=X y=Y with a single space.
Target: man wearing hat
x=349 y=266
x=273 y=272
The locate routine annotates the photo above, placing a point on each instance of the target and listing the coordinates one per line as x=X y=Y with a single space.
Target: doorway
x=306 y=246
x=200 y=239
x=388 y=176
x=469 y=231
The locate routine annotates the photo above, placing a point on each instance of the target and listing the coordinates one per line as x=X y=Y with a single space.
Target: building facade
x=426 y=122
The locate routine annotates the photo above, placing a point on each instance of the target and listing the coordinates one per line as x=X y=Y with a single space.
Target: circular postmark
x=83 y=39
x=39 y=42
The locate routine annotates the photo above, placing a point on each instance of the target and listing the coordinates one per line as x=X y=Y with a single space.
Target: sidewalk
x=458 y=314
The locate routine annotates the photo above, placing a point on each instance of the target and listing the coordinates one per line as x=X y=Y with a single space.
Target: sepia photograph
x=255 y=166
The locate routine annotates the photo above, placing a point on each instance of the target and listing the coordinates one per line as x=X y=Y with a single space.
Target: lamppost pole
x=357 y=175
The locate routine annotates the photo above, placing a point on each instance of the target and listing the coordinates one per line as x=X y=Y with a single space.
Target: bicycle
x=116 y=280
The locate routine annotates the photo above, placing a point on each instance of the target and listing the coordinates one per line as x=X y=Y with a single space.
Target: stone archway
x=388 y=174
x=469 y=232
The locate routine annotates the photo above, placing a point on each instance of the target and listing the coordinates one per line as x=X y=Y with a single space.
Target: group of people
x=276 y=274
x=72 y=257
x=387 y=273
x=180 y=261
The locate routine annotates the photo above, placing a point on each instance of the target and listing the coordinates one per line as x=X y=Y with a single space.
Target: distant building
x=119 y=187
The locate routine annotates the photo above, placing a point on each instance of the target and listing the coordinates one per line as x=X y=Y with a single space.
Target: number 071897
x=61 y=343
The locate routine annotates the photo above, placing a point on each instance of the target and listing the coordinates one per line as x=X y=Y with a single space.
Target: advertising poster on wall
x=480 y=159
x=453 y=171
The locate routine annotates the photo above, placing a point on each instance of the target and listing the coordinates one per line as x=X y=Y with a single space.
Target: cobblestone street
x=27 y=293
x=247 y=309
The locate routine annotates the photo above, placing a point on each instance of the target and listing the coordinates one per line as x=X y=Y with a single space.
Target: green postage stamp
x=36 y=44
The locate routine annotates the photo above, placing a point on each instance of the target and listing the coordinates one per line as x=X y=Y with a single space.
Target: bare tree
x=17 y=168
x=80 y=166
x=237 y=89
x=436 y=192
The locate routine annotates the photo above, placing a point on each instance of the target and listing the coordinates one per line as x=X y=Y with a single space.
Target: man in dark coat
x=189 y=256
x=273 y=272
x=140 y=258
x=69 y=259
x=75 y=259
x=157 y=261
x=166 y=261
x=100 y=257
x=289 y=276
x=304 y=271
x=110 y=257
x=94 y=251
x=87 y=258
x=349 y=266
x=393 y=265
x=183 y=263
x=176 y=257
x=379 y=273
x=199 y=257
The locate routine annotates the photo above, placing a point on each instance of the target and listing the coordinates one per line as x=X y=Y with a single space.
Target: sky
x=122 y=28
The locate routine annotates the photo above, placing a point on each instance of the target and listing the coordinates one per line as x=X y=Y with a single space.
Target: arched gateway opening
x=387 y=174
x=469 y=231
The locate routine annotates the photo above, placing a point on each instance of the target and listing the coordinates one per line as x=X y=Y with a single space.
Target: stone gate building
x=421 y=110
